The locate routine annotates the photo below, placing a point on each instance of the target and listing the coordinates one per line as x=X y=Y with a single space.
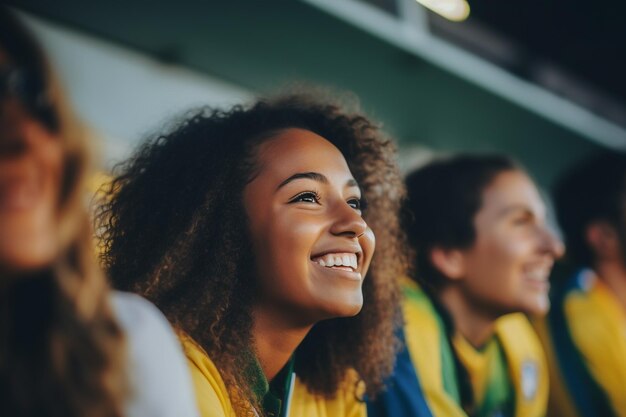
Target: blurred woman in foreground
x=68 y=347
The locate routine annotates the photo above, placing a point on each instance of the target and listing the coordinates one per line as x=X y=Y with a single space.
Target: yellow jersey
x=585 y=337
x=513 y=362
x=214 y=401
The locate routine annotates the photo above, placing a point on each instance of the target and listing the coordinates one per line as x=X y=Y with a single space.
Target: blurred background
x=544 y=81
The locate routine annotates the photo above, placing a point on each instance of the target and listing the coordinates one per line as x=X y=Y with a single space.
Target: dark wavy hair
x=62 y=353
x=175 y=230
x=443 y=197
x=591 y=190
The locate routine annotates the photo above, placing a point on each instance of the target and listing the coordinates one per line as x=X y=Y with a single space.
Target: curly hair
x=62 y=351
x=174 y=230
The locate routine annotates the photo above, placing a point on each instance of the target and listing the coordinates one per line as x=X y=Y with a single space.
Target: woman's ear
x=450 y=262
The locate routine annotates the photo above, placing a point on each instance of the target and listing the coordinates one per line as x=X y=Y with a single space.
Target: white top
x=159 y=379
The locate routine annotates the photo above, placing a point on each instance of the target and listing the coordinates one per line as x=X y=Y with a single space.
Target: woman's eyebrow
x=315 y=176
x=518 y=208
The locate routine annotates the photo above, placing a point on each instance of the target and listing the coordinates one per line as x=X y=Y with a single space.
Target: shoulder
x=519 y=339
x=211 y=393
x=428 y=353
x=422 y=325
x=348 y=402
x=594 y=318
x=515 y=323
x=526 y=364
x=160 y=382
x=589 y=301
x=133 y=311
x=146 y=328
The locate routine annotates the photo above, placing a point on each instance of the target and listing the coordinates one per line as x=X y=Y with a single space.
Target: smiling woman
x=253 y=230
x=483 y=253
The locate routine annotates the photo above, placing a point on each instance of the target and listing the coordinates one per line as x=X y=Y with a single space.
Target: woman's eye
x=355 y=203
x=521 y=221
x=306 y=197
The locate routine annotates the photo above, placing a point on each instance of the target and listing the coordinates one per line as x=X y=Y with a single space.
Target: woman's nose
x=348 y=221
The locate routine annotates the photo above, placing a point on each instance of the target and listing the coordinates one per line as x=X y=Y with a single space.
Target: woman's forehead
x=511 y=189
x=299 y=147
x=298 y=151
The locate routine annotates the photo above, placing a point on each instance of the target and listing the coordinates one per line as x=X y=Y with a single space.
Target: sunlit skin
x=31 y=160
x=506 y=269
x=303 y=210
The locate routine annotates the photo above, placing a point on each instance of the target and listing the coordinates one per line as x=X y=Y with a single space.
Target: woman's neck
x=275 y=339
x=475 y=325
x=613 y=275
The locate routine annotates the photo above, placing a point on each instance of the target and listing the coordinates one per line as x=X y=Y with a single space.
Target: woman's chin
x=347 y=308
x=539 y=306
x=27 y=258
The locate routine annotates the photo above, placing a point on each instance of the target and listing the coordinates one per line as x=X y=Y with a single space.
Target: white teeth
x=338 y=259
x=538 y=274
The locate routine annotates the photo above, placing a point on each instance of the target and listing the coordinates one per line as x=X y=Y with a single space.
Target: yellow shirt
x=560 y=402
x=596 y=323
x=525 y=358
x=487 y=371
x=213 y=399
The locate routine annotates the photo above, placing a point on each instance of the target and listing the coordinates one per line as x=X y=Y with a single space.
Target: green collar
x=500 y=394
x=273 y=396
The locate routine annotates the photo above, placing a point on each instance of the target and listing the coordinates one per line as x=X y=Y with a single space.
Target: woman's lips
x=344 y=264
x=339 y=260
x=538 y=276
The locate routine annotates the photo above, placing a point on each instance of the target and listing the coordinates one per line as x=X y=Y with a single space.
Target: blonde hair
x=76 y=368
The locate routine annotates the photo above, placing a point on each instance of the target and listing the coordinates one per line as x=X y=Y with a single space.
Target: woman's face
x=30 y=177
x=311 y=245
x=507 y=267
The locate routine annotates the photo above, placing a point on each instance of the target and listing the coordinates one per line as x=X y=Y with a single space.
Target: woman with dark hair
x=253 y=230
x=482 y=255
x=584 y=331
x=68 y=347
